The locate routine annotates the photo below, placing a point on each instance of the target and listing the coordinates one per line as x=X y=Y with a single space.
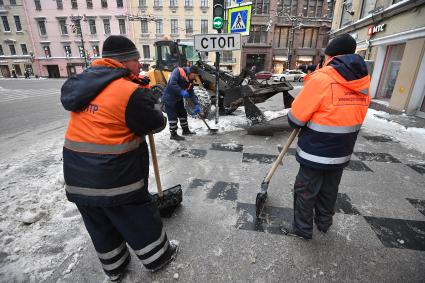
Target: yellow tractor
x=234 y=91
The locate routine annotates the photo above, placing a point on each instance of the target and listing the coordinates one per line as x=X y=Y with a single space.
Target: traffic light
x=218 y=14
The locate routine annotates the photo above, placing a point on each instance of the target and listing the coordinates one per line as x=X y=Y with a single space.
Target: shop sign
x=375 y=29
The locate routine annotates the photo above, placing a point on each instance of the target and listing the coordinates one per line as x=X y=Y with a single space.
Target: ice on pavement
x=410 y=137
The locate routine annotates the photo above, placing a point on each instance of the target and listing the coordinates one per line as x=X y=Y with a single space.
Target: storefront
x=391 y=39
x=257 y=60
x=280 y=64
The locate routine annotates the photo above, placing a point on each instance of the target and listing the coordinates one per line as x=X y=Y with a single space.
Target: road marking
x=9 y=95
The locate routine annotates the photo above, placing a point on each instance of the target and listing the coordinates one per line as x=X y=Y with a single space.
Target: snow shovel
x=169 y=199
x=212 y=131
x=262 y=195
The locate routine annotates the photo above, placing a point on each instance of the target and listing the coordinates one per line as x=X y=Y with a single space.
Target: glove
x=144 y=80
x=184 y=93
x=196 y=109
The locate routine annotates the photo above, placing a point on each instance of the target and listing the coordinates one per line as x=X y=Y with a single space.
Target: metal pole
x=217 y=83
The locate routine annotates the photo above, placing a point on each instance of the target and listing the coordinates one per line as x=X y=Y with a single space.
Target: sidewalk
x=408 y=121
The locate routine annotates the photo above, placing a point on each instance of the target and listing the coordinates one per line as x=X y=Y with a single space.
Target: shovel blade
x=261 y=199
x=171 y=199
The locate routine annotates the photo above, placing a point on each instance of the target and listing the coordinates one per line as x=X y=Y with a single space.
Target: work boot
x=187 y=132
x=171 y=254
x=176 y=137
x=290 y=231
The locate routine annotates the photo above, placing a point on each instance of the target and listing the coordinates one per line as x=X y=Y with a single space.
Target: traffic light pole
x=77 y=21
x=217 y=83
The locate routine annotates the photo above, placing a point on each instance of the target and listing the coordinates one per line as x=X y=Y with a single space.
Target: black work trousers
x=315 y=194
x=137 y=224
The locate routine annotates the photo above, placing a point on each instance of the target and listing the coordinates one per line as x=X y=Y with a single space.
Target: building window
x=68 y=52
x=173 y=3
x=309 y=36
x=287 y=7
x=13 y=2
x=12 y=49
x=96 y=51
x=89 y=4
x=78 y=27
x=390 y=69
x=6 y=26
x=227 y=56
x=121 y=24
x=189 y=26
x=204 y=26
x=258 y=34
x=24 y=49
x=120 y=4
x=281 y=37
x=204 y=3
x=144 y=26
x=260 y=7
x=146 y=52
x=346 y=17
x=1 y=49
x=367 y=7
x=59 y=4
x=92 y=24
x=104 y=3
x=37 y=5
x=42 y=27
x=174 y=26
x=63 y=26
x=159 y=29
x=47 y=53
x=157 y=3
x=188 y=3
x=1 y=3
x=319 y=9
x=18 y=23
x=142 y=3
x=107 y=26
x=74 y=4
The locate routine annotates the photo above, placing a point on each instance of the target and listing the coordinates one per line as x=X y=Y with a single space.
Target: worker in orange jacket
x=330 y=111
x=106 y=159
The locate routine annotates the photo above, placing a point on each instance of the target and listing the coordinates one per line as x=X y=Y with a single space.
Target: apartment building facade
x=154 y=20
x=286 y=34
x=67 y=35
x=16 y=54
x=390 y=35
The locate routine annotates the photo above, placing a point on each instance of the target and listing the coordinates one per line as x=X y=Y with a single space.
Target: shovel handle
x=281 y=155
x=155 y=165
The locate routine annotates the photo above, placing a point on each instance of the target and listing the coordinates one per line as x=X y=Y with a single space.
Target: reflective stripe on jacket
x=331 y=109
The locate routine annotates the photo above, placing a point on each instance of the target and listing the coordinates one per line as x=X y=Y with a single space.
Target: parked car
x=263 y=75
x=289 y=75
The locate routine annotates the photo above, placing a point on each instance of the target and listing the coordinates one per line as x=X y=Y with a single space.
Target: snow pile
x=410 y=137
x=39 y=228
x=270 y=115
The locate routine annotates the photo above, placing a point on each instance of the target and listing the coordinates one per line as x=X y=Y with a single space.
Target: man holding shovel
x=330 y=111
x=180 y=86
x=106 y=159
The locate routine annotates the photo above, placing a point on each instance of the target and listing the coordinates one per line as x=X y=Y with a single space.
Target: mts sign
x=375 y=29
x=217 y=42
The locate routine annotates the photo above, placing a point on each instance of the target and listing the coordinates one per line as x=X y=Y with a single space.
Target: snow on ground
x=410 y=137
x=39 y=228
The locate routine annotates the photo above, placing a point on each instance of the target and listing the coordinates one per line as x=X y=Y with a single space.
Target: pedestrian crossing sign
x=239 y=19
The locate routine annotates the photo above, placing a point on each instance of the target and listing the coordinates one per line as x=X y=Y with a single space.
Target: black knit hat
x=194 y=69
x=340 y=45
x=120 y=48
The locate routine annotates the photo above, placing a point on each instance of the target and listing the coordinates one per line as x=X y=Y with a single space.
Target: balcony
x=159 y=7
x=188 y=7
x=144 y=35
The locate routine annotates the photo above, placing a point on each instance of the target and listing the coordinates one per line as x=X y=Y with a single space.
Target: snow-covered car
x=289 y=75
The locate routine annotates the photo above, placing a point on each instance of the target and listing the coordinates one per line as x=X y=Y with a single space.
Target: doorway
x=256 y=60
x=53 y=71
x=5 y=72
x=18 y=70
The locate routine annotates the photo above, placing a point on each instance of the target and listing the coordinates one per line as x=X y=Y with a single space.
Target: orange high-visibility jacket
x=331 y=109
x=106 y=161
